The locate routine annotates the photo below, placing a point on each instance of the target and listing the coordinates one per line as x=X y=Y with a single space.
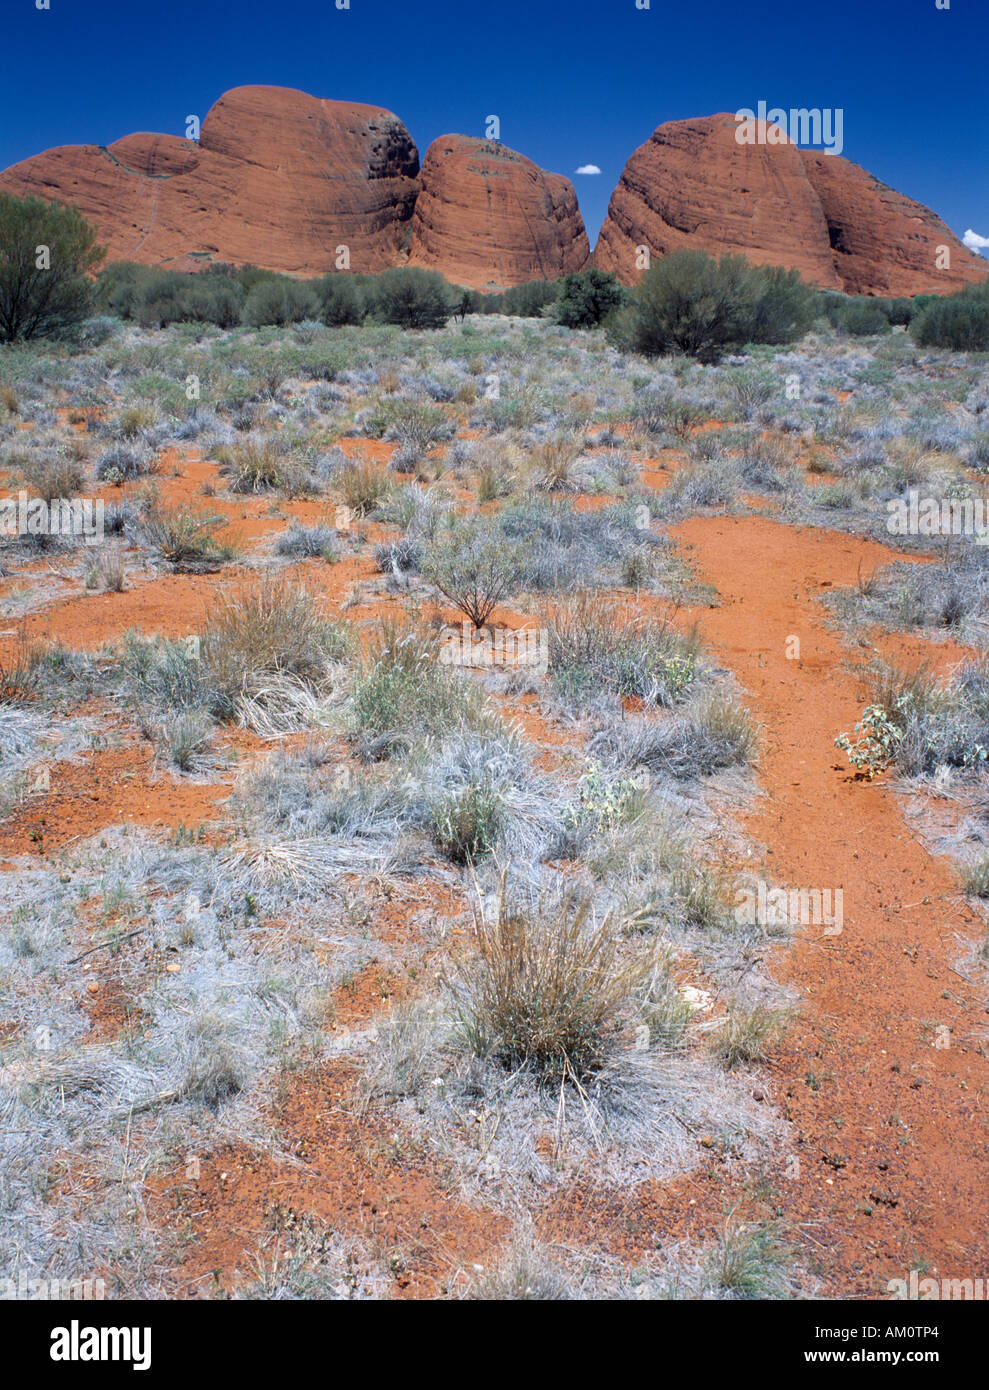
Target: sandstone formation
x=278 y=179
x=281 y=179
x=489 y=218
x=693 y=185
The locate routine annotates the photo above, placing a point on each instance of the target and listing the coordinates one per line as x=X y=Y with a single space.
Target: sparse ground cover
x=392 y=802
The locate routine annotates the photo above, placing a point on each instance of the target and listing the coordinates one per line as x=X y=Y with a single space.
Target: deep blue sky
x=573 y=81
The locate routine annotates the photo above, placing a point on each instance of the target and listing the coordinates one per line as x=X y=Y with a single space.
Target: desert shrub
x=187 y=735
x=554 y=460
x=211 y=300
x=163 y=674
x=595 y=647
x=39 y=302
x=260 y=462
x=364 y=485
x=656 y=411
x=183 y=535
x=975 y=878
x=750 y=1262
x=900 y=311
x=279 y=302
x=267 y=630
x=561 y=547
x=524 y=1274
x=716 y=734
x=415 y=426
x=587 y=297
x=688 y=302
x=547 y=987
x=475 y=569
x=308 y=543
x=399 y=557
x=917 y=724
x=412 y=297
x=466 y=821
x=341 y=300
x=402 y=694
x=783 y=307
x=122 y=464
x=53 y=476
x=528 y=300
x=156 y=297
x=863 y=317
x=960 y=322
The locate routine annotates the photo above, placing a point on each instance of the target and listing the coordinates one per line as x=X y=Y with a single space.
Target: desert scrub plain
x=346 y=956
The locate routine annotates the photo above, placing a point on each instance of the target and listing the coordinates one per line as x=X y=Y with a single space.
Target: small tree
x=475 y=570
x=689 y=303
x=46 y=254
x=587 y=297
x=413 y=297
x=528 y=300
x=341 y=299
x=784 y=307
x=863 y=317
x=960 y=322
x=279 y=302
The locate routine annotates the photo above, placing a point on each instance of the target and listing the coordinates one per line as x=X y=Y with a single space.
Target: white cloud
x=593 y=169
x=972 y=240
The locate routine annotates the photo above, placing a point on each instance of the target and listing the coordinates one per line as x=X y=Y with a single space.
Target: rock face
x=279 y=179
x=489 y=218
x=693 y=185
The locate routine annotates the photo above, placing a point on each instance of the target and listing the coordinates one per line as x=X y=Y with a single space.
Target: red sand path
x=890 y=1131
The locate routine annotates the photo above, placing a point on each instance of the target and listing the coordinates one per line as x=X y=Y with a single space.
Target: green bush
x=155 y=298
x=413 y=298
x=784 y=306
x=341 y=300
x=529 y=300
x=863 y=317
x=475 y=569
x=960 y=322
x=37 y=302
x=687 y=302
x=279 y=302
x=587 y=297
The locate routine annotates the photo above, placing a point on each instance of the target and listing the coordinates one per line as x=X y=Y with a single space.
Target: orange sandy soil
x=889 y=1133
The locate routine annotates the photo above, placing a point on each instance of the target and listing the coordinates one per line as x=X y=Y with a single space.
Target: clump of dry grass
x=264 y=463
x=269 y=629
x=555 y=459
x=20 y=672
x=547 y=987
x=364 y=485
x=746 y=1035
x=182 y=534
x=53 y=476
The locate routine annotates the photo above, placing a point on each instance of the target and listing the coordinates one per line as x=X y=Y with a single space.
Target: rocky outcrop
x=488 y=217
x=883 y=242
x=281 y=180
x=278 y=178
x=692 y=184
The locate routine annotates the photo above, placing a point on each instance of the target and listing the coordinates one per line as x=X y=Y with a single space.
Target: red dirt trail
x=889 y=1130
